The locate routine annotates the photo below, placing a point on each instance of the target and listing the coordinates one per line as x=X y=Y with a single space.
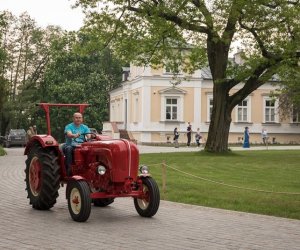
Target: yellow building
x=149 y=107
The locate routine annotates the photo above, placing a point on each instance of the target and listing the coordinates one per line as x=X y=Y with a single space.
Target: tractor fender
x=44 y=140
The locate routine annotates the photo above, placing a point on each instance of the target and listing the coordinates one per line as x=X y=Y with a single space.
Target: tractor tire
x=79 y=201
x=103 y=202
x=42 y=177
x=148 y=204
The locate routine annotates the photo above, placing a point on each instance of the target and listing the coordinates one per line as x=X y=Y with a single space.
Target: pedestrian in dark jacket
x=189 y=134
x=176 y=136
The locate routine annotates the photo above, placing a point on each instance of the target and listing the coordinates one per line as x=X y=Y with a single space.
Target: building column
x=146 y=107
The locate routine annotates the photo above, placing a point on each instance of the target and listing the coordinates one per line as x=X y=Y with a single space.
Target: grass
x=2 y=151
x=275 y=171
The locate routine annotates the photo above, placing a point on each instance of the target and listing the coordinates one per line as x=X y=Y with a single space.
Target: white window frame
x=248 y=110
x=180 y=105
x=171 y=105
x=209 y=107
x=276 y=118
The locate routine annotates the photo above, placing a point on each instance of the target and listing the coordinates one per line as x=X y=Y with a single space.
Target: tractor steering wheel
x=86 y=139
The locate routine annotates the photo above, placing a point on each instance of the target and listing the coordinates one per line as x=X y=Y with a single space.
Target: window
x=168 y=70
x=242 y=111
x=171 y=109
x=172 y=68
x=270 y=107
x=295 y=116
x=269 y=110
x=172 y=104
x=209 y=106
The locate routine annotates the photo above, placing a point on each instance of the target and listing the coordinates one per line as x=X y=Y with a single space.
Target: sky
x=47 y=12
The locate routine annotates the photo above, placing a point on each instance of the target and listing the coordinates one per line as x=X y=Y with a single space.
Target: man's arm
x=70 y=135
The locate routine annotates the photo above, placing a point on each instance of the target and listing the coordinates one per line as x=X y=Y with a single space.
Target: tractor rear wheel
x=79 y=201
x=103 y=202
x=148 y=204
x=42 y=177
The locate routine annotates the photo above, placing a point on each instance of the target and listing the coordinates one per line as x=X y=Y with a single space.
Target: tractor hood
x=120 y=156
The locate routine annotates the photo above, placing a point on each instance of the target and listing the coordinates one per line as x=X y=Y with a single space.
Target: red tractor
x=103 y=169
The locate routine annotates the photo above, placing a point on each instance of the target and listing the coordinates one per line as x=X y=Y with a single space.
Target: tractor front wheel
x=147 y=205
x=79 y=201
x=42 y=177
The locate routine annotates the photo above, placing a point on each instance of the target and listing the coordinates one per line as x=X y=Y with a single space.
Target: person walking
x=176 y=136
x=264 y=136
x=246 y=138
x=198 y=137
x=189 y=134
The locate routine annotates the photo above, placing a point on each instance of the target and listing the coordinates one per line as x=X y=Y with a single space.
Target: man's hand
x=77 y=135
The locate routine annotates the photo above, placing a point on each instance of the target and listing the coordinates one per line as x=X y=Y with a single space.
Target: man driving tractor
x=74 y=136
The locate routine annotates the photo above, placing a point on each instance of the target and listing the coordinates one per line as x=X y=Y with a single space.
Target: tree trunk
x=217 y=52
x=217 y=140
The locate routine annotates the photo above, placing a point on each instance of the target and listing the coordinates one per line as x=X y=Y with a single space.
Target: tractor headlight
x=101 y=170
x=144 y=169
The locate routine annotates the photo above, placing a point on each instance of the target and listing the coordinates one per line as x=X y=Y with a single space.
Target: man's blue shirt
x=81 y=129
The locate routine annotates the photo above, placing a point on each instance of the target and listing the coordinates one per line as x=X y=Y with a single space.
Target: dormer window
x=167 y=70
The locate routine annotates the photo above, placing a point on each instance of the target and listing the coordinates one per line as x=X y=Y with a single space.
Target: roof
x=206 y=73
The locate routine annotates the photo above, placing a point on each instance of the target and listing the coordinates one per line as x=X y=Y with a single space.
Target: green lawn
x=276 y=171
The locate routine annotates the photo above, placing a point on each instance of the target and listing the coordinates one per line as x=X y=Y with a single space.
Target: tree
x=289 y=92
x=147 y=32
x=75 y=76
x=27 y=51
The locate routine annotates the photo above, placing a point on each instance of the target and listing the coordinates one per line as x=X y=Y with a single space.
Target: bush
x=2 y=151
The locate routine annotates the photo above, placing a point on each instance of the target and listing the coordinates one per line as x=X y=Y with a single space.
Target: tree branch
x=233 y=18
x=172 y=18
x=261 y=74
x=207 y=15
x=261 y=45
x=275 y=5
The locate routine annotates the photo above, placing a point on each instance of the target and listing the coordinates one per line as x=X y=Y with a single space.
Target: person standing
x=31 y=132
x=198 y=137
x=246 y=138
x=73 y=133
x=189 y=134
x=176 y=136
x=264 y=136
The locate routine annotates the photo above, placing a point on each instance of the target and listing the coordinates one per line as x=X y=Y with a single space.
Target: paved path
x=175 y=226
